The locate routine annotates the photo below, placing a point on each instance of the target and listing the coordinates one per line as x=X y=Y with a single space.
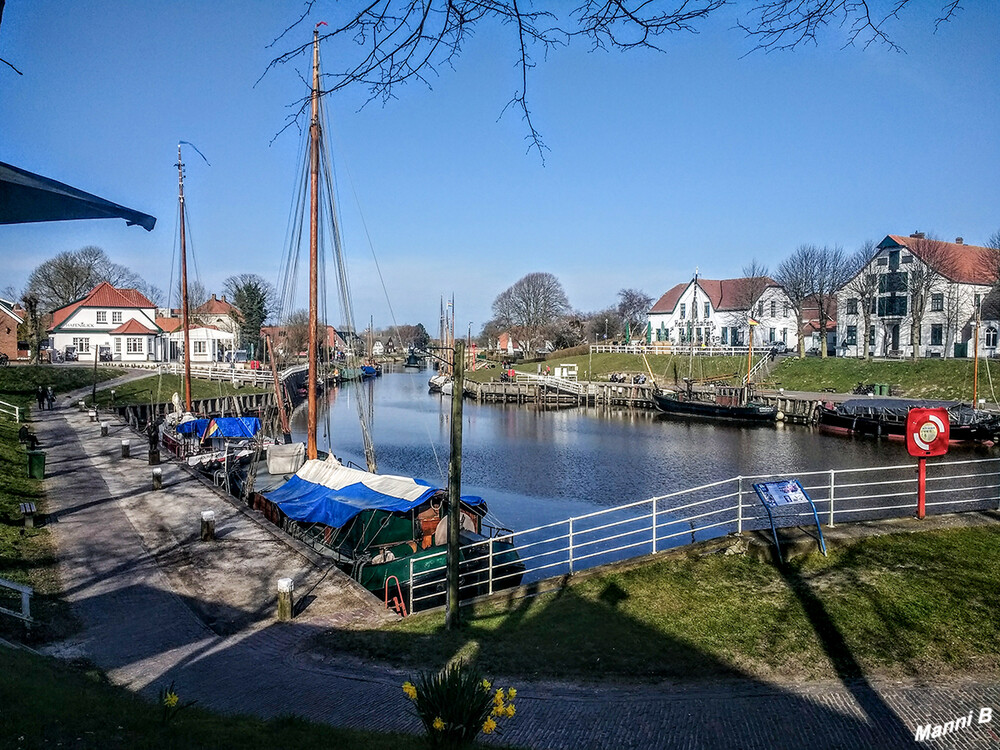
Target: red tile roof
x=133 y=328
x=724 y=294
x=215 y=307
x=953 y=260
x=169 y=324
x=102 y=295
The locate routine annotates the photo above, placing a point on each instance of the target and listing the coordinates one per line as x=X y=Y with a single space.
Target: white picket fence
x=711 y=510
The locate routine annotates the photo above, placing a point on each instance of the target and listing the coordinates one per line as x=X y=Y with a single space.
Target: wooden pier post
x=285 y=588
x=125 y=449
x=208 y=525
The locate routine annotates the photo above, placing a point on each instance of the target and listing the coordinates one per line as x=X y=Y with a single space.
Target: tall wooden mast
x=313 y=252
x=184 y=287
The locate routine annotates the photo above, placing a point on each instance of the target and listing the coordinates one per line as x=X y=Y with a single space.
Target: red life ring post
x=927 y=434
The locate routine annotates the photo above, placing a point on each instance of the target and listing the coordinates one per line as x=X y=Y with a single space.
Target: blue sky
x=658 y=162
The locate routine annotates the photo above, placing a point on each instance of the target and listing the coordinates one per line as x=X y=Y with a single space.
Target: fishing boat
x=388 y=532
x=729 y=404
x=886 y=417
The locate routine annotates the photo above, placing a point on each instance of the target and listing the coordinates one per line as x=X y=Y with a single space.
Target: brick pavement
x=147 y=626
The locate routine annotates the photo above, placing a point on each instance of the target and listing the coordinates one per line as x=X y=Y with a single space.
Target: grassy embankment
x=925 y=378
x=159 y=389
x=46 y=704
x=896 y=606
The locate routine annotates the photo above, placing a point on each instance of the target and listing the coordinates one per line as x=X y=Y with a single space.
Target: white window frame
x=133 y=345
x=102 y=316
x=116 y=316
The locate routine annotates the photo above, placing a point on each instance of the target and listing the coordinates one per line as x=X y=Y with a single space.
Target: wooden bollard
x=154 y=456
x=207 y=525
x=93 y=415
x=157 y=479
x=104 y=428
x=285 y=588
x=125 y=449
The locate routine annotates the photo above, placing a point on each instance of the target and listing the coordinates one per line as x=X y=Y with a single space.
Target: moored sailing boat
x=388 y=532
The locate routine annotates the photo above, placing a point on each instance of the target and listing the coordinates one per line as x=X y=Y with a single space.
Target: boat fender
x=383 y=557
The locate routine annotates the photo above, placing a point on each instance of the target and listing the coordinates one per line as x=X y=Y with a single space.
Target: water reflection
x=536 y=466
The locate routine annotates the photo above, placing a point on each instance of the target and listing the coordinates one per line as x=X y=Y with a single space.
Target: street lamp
x=605 y=329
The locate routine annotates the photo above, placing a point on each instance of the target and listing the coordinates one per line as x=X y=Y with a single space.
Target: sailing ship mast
x=313 y=406
x=184 y=287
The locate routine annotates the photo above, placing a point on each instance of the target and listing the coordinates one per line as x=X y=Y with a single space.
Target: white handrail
x=13 y=410
x=26 y=592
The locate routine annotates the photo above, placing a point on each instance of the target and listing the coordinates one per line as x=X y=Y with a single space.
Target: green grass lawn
x=19 y=384
x=160 y=388
x=901 y=605
x=46 y=704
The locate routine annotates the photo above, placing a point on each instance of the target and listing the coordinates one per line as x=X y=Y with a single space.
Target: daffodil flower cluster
x=456 y=704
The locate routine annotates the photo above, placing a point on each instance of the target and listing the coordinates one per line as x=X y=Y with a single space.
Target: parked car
x=779 y=347
x=238 y=355
x=70 y=354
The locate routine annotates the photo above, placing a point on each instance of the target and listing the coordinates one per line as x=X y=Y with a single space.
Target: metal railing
x=11 y=409
x=701 y=513
x=25 y=592
x=666 y=347
x=221 y=371
x=551 y=381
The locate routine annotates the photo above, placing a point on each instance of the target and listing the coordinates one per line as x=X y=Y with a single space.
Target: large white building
x=948 y=278
x=718 y=312
x=122 y=320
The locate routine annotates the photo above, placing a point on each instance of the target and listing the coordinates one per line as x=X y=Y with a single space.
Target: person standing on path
x=41 y=397
x=50 y=397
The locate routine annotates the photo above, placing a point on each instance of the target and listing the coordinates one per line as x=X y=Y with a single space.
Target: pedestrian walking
x=50 y=397
x=41 y=397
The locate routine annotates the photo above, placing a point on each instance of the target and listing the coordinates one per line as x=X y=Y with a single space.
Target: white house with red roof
x=218 y=313
x=718 y=312
x=208 y=343
x=948 y=279
x=122 y=320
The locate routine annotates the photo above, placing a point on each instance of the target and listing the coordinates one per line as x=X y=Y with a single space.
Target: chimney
x=223 y=298
x=959 y=241
x=213 y=298
x=918 y=235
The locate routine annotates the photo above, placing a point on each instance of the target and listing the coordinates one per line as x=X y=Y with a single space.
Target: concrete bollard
x=125 y=449
x=93 y=415
x=207 y=525
x=157 y=479
x=285 y=588
x=104 y=428
x=154 y=456
x=82 y=406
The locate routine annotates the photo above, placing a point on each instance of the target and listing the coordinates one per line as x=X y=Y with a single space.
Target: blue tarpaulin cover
x=192 y=427
x=328 y=493
x=232 y=427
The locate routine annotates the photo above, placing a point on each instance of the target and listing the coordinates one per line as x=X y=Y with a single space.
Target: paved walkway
x=132 y=576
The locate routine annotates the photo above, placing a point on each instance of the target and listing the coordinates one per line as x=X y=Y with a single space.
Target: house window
x=937 y=302
x=725 y=336
x=851 y=339
x=102 y=316
x=852 y=306
x=871 y=336
x=907 y=258
x=694 y=309
x=708 y=309
x=200 y=347
x=118 y=344
x=893 y=260
x=784 y=335
x=116 y=317
x=82 y=344
x=991 y=337
x=760 y=309
x=891 y=307
x=892 y=282
x=774 y=309
x=683 y=311
x=977 y=301
x=133 y=345
x=937 y=334
x=770 y=334
x=882 y=262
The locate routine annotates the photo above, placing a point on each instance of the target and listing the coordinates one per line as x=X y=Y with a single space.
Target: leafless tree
x=33 y=325
x=831 y=270
x=863 y=288
x=934 y=267
x=388 y=43
x=796 y=277
x=633 y=307
x=754 y=283
x=529 y=305
x=72 y=274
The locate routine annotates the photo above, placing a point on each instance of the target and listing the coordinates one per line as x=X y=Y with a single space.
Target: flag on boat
x=753 y=322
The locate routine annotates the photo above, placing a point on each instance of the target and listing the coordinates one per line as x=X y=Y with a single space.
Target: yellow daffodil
x=510 y=710
x=497 y=711
x=489 y=726
x=498 y=698
x=511 y=694
x=438 y=723
x=170 y=700
x=487 y=685
x=410 y=690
